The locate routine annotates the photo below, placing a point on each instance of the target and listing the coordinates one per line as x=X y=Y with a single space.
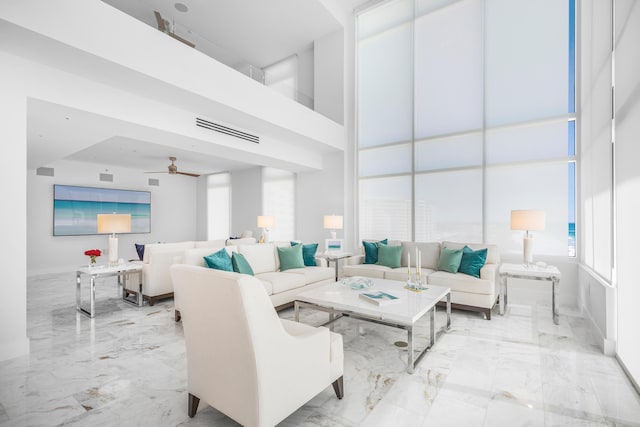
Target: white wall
x=201 y=208
x=306 y=77
x=329 y=93
x=611 y=304
x=596 y=289
x=13 y=262
x=246 y=201
x=173 y=215
x=211 y=87
x=627 y=180
x=317 y=194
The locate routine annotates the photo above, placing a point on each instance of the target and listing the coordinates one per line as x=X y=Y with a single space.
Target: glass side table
x=549 y=273
x=335 y=257
x=122 y=271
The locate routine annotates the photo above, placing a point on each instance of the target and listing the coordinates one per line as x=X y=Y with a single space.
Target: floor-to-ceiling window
x=466 y=111
x=279 y=201
x=218 y=206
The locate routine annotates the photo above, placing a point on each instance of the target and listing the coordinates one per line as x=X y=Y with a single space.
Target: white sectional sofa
x=467 y=292
x=158 y=257
x=281 y=286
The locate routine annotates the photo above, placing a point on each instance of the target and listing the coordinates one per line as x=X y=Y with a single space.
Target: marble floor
x=127 y=368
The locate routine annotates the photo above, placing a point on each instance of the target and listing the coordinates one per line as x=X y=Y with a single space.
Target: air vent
x=154 y=181
x=44 y=171
x=106 y=177
x=227 y=130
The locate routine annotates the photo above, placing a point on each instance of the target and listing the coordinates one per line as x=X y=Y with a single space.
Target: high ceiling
x=237 y=32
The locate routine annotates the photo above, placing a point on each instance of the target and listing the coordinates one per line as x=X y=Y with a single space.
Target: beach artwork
x=75 y=208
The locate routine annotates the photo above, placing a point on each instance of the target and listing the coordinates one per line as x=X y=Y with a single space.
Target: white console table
x=532 y=272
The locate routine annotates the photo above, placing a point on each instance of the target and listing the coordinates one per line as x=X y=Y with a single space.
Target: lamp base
x=113 y=250
x=333 y=234
x=527 y=250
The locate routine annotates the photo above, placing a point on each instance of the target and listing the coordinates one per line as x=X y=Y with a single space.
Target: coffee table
x=122 y=271
x=339 y=299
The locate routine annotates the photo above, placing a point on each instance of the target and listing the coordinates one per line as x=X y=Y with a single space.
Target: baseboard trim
x=628 y=374
x=607 y=346
x=15 y=348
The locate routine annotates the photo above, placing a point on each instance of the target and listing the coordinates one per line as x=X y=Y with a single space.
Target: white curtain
x=463 y=115
x=218 y=206
x=278 y=200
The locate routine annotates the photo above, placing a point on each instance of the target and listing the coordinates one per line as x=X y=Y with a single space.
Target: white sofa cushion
x=314 y=274
x=261 y=257
x=178 y=248
x=196 y=256
x=461 y=282
x=430 y=254
x=368 y=270
x=209 y=243
x=401 y=273
x=281 y=281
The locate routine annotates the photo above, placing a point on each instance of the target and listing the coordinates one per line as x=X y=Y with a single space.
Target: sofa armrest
x=490 y=272
x=355 y=260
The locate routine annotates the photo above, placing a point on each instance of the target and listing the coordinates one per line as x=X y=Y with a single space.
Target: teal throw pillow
x=219 y=260
x=290 y=257
x=472 y=261
x=308 y=253
x=240 y=264
x=371 y=251
x=389 y=255
x=450 y=260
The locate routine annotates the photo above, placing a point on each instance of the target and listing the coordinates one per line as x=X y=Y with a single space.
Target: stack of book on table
x=379 y=297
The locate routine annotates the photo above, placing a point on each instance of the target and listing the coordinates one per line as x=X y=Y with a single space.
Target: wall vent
x=154 y=181
x=44 y=171
x=227 y=130
x=106 y=177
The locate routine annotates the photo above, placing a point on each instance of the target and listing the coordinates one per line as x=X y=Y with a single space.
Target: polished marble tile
x=127 y=367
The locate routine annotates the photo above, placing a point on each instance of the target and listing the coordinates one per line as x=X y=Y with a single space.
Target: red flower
x=93 y=252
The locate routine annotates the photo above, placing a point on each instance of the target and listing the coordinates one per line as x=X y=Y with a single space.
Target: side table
x=121 y=271
x=335 y=257
x=549 y=273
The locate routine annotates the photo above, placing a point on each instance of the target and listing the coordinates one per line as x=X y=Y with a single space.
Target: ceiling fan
x=173 y=169
x=166 y=27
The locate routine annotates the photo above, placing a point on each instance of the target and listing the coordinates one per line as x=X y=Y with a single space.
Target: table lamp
x=333 y=223
x=114 y=223
x=527 y=220
x=265 y=222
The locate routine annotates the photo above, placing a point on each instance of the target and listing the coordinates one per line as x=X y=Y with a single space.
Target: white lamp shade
x=333 y=222
x=528 y=220
x=266 y=221
x=114 y=223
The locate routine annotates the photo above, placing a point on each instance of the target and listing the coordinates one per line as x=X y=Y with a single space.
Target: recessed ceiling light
x=181 y=7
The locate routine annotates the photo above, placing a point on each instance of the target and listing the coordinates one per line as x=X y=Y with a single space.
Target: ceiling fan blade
x=189 y=174
x=158 y=172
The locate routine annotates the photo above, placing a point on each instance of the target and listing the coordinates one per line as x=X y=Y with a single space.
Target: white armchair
x=244 y=360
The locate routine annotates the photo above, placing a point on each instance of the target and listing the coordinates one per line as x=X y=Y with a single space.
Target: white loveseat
x=467 y=292
x=158 y=257
x=281 y=286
